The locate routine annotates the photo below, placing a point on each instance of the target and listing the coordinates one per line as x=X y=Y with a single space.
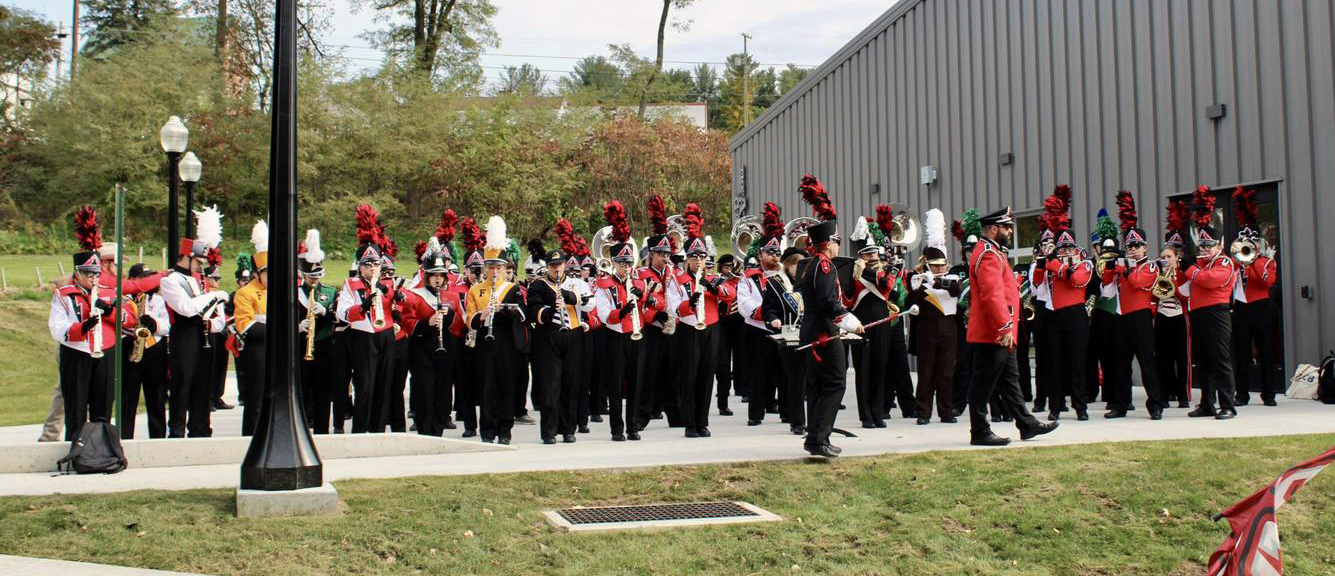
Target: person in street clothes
x=757 y=352
x=698 y=297
x=1208 y=289
x=1253 y=312
x=935 y=292
x=316 y=303
x=1067 y=274
x=433 y=316
x=991 y=334
x=494 y=310
x=620 y=305
x=366 y=303
x=251 y=312
x=192 y=309
x=145 y=364
x=1132 y=278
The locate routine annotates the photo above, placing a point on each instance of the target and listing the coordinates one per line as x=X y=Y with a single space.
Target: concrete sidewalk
x=732 y=441
x=43 y=567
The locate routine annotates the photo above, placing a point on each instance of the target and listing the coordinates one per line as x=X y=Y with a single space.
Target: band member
x=758 y=353
x=145 y=364
x=620 y=305
x=83 y=321
x=1131 y=279
x=1100 y=350
x=593 y=342
x=1171 y=339
x=1045 y=364
x=935 y=292
x=1253 y=313
x=967 y=232
x=556 y=345
x=574 y=398
x=251 y=307
x=1068 y=274
x=658 y=390
x=991 y=334
x=696 y=297
x=468 y=391
x=823 y=322
x=865 y=297
x=320 y=384
x=366 y=302
x=495 y=312
x=729 y=332
x=433 y=316
x=783 y=311
x=1208 y=290
x=191 y=308
x=898 y=384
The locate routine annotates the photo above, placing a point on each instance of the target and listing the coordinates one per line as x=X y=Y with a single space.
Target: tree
x=114 y=23
x=704 y=85
x=446 y=35
x=28 y=45
x=790 y=77
x=658 y=62
x=522 y=80
x=242 y=40
x=593 y=74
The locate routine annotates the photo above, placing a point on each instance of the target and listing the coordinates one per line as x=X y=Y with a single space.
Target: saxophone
x=700 y=304
x=310 y=329
x=95 y=345
x=141 y=334
x=635 y=328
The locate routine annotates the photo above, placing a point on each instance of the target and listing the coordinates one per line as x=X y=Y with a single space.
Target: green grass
x=27 y=361
x=1115 y=508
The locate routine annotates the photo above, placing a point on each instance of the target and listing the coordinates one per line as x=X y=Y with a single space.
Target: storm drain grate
x=657 y=516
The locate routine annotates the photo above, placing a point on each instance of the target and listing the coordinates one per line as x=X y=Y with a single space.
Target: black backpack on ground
x=1325 y=385
x=96 y=451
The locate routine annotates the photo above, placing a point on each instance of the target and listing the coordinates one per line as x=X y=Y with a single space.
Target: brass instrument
x=795 y=231
x=1164 y=287
x=744 y=232
x=1028 y=308
x=141 y=334
x=908 y=230
x=635 y=328
x=310 y=327
x=1244 y=251
x=700 y=304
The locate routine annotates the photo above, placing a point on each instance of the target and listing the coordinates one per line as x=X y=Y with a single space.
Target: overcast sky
x=552 y=35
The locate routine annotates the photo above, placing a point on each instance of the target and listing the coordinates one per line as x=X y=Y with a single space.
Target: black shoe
x=746 y=399
x=583 y=429
x=568 y=438
x=703 y=432
x=835 y=449
x=1201 y=413
x=1183 y=404
x=1039 y=406
x=1115 y=414
x=641 y=427
x=990 y=440
x=1226 y=415
x=221 y=405
x=772 y=409
x=1040 y=430
x=412 y=427
x=959 y=412
x=503 y=440
x=1054 y=416
x=1007 y=419
x=925 y=421
x=783 y=419
x=880 y=423
x=544 y=441
x=655 y=416
x=724 y=411
x=691 y=433
x=996 y=418
x=470 y=433
x=868 y=424
x=595 y=418
x=824 y=451
x=798 y=430
x=450 y=425
x=1241 y=401
x=842 y=407
x=949 y=420
x=1081 y=415
x=213 y=408
x=752 y=422
x=488 y=440
x=618 y=437
x=1269 y=402
x=338 y=431
x=633 y=436
x=1156 y=415
x=525 y=419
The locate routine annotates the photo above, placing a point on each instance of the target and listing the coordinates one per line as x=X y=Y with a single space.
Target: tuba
x=795 y=231
x=746 y=231
x=908 y=230
x=602 y=245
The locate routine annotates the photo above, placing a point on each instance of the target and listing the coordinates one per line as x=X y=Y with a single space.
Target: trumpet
x=1244 y=251
x=1163 y=287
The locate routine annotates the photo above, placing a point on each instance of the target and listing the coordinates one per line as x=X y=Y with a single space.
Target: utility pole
x=60 y=35
x=74 y=49
x=746 y=81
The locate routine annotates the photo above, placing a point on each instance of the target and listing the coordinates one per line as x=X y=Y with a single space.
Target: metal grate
x=657 y=516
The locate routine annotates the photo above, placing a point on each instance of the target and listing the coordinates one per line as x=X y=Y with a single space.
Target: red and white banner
x=1253 y=547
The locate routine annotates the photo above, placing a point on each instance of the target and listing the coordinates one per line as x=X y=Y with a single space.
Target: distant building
x=16 y=91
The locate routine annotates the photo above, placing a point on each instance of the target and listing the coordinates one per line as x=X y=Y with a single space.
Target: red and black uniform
x=372 y=350
x=1134 y=334
x=1209 y=288
x=84 y=324
x=730 y=327
x=619 y=362
x=432 y=353
x=1254 y=325
x=994 y=309
x=658 y=390
x=757 y=366
x=866 y=298
x=781 y=303
x=698 y=348
x=827 y=366
x=1068 y=336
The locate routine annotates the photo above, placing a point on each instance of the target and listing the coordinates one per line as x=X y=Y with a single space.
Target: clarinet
x=490 y=322
x=563 y=316
x=378 y=308
x=440 y=328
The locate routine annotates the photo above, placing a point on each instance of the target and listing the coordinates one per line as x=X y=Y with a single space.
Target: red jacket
x=1211 y=283
x=1133 y=284
x=132 y=286
x=655 y=301
x=995 y=304
x=358 y=287
x=714 y=304
x=1067 y=282
x=1258 y=277
x=617 y=290
x=77 y=307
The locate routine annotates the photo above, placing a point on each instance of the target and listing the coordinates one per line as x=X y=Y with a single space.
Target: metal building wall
x=1102 y=94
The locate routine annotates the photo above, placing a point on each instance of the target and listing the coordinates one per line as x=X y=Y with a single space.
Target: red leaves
x=773 y=221
x=885 y=219
x=694 y=219
x=86 y=229
x=473 y=239
x=657 y=211
x=615 y=215
x=814 y=194
x=1126 y=210
x=1202 y=205
x=1245 y=208
x=445 y=230
x=1178 y=215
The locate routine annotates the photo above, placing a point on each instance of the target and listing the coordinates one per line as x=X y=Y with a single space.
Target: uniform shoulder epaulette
x=604 y=282
x=68 y=290
x=356 y=283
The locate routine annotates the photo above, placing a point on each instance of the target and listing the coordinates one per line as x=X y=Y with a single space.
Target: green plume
x=971 y=222
x=245 y=262
x=1106 y=228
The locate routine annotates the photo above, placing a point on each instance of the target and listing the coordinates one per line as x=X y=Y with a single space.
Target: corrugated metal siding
x=1104 y=95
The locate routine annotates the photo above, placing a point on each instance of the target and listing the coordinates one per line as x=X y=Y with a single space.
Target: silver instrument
x=377 y=305
x=494 y=305
x=908 y=230
x=795 y=231
x=95 y=345
x=635 y=328
x=700 y=304
x=562 y=315
x=440 y=328
x=744 y=232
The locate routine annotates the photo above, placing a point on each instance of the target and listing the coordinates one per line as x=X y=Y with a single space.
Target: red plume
x=885 y=218
x=957 y=229
x=86 y=229
x=445 y=230
x=615 y=214
x=1246 y=209
x=419 y=248
x=773 y=221
x=368 y=225
x=581 y=247
x=214 y=256
x=1202 y=205
x=1063 y=193
x=1178 y=215
x=391 y=247
x=473 y=239
x=813 y=192
x=566 y=234
x=1126 y=210
x=695 y=220
x=1055 y=217
x=658 y=215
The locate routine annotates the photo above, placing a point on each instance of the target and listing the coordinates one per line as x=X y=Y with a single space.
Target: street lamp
x=174 y=137
x=190 y=170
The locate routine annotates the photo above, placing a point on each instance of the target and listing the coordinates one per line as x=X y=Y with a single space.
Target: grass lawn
x=27 y=361
x=1117 y=508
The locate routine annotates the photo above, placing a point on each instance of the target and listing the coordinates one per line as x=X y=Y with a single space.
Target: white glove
x=435 y=319
x=319 y=309
x=304 y=326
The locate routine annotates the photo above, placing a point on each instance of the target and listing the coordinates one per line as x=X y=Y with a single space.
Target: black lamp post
x=174 y=136
x=282 y=455
x=190 y=170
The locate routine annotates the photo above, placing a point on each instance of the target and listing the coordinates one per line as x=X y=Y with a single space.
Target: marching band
x=667 y=328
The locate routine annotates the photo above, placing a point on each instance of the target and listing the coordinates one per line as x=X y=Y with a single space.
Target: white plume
x=709 y=246
x=313 y=252
x=860 y=230
x=934 y=228
x=496 y=238
x=259 y=236
x=432 y=246
x=208 y=226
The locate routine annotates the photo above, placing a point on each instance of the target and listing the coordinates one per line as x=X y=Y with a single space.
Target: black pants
x=149 y=375
x=467 y=394
x=397 y=419
x=1068 y=339
x=1212 y=343
x=762 y=368
x=220 y=357
x=743 y=364
x=592 y=399
x=620 y=367
x=372 y=359
x=995 y=369
x=321 y=387
x=497 y=363
x=959 y=395
x=826 y=377
x=792 y=374
x=936 y=366
x=191 y=387
x=1170 y=356
x=898 y=382
x=1254 y=325
x=257 y=375
x=656 y=359
x=1100 y=358
x=555 y=370
x=871 y=373
x=1134 y=339
x=433 y=373
x=523 y=370
x=85 y=382
x=1044 y=359
x=1022 y=342
x=341 y=387
x=699 y=352
x=729 y=329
